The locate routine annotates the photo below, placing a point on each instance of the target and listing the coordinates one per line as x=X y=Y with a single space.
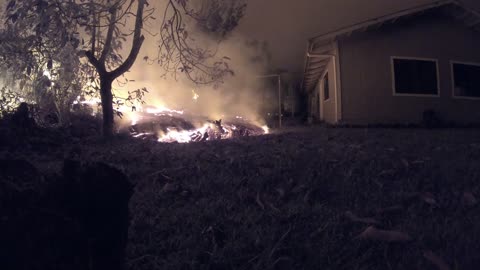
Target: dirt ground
x=302 y=198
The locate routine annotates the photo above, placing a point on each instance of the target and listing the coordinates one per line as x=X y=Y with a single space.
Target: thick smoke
x=242 y=94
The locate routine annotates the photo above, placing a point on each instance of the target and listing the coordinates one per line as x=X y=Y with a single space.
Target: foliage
x=134 y=98
x=178 y=50
x=9 y=100
x=43 y=71
x=94 y=32
x=219 y=17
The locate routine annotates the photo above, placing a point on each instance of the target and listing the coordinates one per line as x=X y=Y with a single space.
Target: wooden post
x=279 y=95
x=279 y=101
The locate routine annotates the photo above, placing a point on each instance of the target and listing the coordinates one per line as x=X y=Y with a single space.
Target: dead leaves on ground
x=389 y=210
x=428 y=198
x=258 y=200
x=352 y=217
x=468 y=199
x=261 y=204
x=436 y=260
x=171 y=187
x=372 y=233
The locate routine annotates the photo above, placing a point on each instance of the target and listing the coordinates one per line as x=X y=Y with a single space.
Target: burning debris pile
x=166 y=125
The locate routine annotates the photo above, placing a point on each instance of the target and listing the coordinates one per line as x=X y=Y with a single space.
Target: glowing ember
x=167 y=125
x=266 y=129
x=162 y=110
x=141 y=135
x=185 y=136
x=214 y=130
x=48 y=74
x=92 y=102
x=135 y=119
x=195 y=95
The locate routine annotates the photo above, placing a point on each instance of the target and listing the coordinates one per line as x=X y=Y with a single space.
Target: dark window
x=326 y=90
x=415 y=76
x=466 y=80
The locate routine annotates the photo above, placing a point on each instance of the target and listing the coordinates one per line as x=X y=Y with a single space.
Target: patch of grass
x=279 y=201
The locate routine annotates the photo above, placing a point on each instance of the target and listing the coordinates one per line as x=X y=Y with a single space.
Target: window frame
x=392 y=70
x=452 y=76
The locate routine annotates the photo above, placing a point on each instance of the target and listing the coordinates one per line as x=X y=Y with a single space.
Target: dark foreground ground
x=300 y=199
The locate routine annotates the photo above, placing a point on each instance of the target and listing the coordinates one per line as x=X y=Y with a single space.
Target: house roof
x=324 y=44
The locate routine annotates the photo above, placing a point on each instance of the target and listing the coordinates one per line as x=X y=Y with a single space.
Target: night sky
x=286 y=25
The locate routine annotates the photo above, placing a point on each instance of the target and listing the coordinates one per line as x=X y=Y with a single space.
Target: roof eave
x=380 y=20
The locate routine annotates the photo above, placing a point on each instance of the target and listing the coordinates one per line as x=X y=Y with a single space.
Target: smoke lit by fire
x=178 y=110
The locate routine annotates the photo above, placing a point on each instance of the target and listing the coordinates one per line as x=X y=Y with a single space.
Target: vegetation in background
x=55 y=49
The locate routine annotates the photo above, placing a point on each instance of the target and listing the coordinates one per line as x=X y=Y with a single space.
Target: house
x=394 y=68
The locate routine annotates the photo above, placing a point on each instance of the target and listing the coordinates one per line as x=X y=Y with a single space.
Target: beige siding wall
x=366 y=72
x=328 y=106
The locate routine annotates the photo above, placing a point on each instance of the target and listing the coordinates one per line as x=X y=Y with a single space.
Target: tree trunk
x=106 y=77
x=107 y=105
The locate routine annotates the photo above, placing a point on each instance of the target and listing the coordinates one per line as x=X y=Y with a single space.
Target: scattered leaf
x=372 y=233
x=308 y=195
x=405 y=163
x=428 y=198
x=355 y=218
x=259 y=201
x=469 y=199
x=281 y=192
x=386 y=172
x=170 y=187
x=436 y=260
x=273 y=207
x=391 y=209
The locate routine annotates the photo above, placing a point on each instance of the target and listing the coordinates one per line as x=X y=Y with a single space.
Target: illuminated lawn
x=300 y=199
x=280 y=202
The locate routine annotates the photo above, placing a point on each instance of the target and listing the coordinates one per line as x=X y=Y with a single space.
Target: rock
x=76 y=221
x=99 y=200
x=35 y=233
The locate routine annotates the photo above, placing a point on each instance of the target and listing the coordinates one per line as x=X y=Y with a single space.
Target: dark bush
x=431 y=119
